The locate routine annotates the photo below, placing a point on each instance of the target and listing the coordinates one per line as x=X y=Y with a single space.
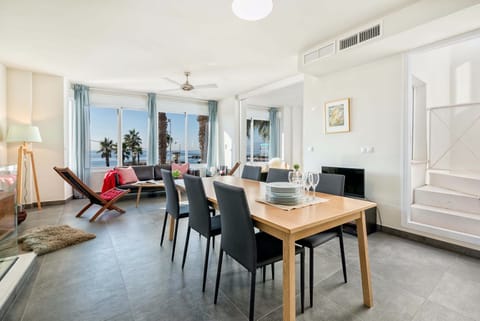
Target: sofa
x=146 y=173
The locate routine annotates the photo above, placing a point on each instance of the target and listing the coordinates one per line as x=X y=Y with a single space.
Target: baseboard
x=429 y=241
x=47 y=203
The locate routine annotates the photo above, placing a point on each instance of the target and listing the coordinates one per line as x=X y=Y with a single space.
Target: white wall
x=38 y=99
x=228 y=132
x=376 y=97
x=3 y=115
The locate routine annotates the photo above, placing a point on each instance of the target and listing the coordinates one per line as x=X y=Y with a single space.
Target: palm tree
x=163 y=137
x=262 y=126
x=203 y=136
x=133 y=144
x=106 y=148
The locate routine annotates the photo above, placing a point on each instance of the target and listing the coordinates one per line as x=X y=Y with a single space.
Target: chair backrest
x=234 y=169
x=198 y=210
x=278 y=175
x=331 y=184
x=238 y=235
x=252 y=172
x=173 y=206
x=77 y=184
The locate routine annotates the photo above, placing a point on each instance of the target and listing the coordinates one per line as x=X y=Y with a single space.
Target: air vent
x=360 y=37
x=348 y=42
x=321 y=52
x=370 y=33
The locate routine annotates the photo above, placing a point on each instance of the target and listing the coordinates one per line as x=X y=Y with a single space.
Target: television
x=354 y=179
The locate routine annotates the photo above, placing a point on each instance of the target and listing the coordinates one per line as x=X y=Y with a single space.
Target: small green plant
x=176 y=173
x=296 y=167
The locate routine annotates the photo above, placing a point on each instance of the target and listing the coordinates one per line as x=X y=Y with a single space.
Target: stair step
x=464 y=182
x=457 y=221
x=445 y=198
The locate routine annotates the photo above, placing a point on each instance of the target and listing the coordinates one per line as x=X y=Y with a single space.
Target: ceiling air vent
x=360 y=37
x=321 y=52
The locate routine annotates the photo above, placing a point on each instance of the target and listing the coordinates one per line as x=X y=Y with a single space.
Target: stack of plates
x=284 y=193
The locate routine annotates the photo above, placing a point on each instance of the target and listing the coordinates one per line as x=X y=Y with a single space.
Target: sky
x=103 y=123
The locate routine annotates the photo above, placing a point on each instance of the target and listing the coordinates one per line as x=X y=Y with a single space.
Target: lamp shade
x=252 y=10
x=23 y=133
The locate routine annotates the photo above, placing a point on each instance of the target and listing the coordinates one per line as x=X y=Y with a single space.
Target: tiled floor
x=123 y=274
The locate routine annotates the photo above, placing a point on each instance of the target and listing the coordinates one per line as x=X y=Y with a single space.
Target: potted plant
x=176 y=174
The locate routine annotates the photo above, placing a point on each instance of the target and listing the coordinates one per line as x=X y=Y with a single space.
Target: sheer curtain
x=152 y=129
x=82 y=132
x=212 y=135
x=274 y=145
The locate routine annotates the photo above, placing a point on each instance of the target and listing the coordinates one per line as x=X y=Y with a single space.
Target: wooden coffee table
x=148 y=184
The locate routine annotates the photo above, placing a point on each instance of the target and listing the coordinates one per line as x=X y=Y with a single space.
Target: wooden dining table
x=292 y=225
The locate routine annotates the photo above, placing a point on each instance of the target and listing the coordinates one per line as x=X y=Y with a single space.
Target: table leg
x=288 y=279
x=172 y=228
x=364 y=262
x=138 y=195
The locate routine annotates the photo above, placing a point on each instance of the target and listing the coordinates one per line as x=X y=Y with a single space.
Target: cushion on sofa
x=157 y=170
x=144 y=173
x=183 y=168
x=126 y=175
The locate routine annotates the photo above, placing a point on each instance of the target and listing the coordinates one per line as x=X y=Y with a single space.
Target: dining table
x=297 y=223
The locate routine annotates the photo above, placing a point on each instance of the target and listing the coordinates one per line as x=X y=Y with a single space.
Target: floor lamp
x=25 y=134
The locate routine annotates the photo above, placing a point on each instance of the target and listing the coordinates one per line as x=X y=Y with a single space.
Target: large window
x=258 y=137
x=108 y=126
x=182 y=138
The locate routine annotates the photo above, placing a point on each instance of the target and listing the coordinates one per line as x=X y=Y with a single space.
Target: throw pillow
x=126 y=175
x=183 y=168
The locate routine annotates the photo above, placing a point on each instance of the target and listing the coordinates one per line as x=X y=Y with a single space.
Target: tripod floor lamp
x=25 y=134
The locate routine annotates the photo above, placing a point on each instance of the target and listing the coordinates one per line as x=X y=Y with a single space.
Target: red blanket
x=109 y=180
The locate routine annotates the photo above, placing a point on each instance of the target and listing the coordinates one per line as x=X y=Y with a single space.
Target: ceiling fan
x=187 y=86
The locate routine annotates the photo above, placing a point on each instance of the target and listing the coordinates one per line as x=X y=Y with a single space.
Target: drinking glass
x=292 y=177
x=213 y=171
x=315 y=180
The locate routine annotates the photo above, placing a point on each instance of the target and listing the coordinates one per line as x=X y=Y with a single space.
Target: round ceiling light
x=252 y=10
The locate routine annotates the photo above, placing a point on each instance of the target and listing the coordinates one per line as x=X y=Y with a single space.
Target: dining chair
x=330 y=184
x=239 y=240
x=278 y=175
x=173 y=207
x=252 y=172
x=200 y=219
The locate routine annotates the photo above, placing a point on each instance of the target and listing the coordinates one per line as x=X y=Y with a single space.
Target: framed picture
x=337 y=116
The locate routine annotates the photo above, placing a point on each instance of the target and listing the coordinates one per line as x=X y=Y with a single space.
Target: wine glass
x=315 y=179
x=213 y=171
x=306 y=184
x=291 y=177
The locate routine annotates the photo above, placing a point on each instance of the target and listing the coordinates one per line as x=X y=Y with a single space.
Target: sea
x=193 y=158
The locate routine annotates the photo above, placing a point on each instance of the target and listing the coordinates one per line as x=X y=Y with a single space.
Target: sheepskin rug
x=49 y=238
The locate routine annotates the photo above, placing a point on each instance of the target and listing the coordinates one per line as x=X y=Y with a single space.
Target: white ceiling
x=132 y=44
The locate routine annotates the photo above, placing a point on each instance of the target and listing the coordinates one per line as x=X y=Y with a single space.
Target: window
x=134 y=137
x=103 y=137
x=105 y=124
x=258 y=137
x=182 y=138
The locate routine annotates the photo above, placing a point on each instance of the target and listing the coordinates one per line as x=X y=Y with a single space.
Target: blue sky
x=103 y=123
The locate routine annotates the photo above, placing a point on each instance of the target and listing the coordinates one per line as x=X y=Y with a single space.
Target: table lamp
x=25 y=134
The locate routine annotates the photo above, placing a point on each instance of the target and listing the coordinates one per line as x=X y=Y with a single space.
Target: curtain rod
x=140 y=93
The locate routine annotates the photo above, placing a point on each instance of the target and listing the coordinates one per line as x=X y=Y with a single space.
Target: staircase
x=449 y=204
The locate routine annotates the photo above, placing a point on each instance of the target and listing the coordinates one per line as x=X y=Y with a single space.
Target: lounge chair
x=105 y=200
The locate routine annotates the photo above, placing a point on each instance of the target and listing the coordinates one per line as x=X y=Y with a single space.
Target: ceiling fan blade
x=206 y=86
x=166 y=90
x=172 y=81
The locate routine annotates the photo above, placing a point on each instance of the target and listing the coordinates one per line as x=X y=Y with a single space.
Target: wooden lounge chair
x=234 y=169
x=105 y=200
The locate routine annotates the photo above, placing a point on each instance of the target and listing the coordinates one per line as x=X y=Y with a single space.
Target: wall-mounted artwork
x=337 y=116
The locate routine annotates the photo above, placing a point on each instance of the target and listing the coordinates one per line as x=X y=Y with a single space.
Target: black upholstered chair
x=278 y=175
x=330 y=184
x=199 y=218
x=252 y=172
x=239 y=240
x=173 y=207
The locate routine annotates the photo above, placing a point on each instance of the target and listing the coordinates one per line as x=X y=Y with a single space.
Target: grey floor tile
x=435 y=312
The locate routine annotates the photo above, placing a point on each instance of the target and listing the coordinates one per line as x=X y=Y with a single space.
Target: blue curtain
x=212 y=133
x=82 y=132
x=152 y=130
x=274 y=145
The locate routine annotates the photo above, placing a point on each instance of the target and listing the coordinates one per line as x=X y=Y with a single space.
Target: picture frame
x=337 y=116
